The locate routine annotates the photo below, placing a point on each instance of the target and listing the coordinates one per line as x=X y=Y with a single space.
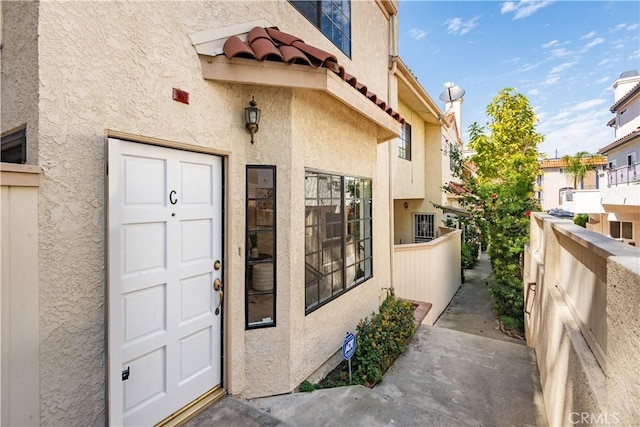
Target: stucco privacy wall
x=573 y=381
x=623 y=324
x=19 y=85
x=111 y=65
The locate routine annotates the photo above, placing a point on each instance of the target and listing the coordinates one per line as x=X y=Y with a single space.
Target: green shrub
x=469 y=252
x=381 y=339
x=307 y=387
x=581 y=220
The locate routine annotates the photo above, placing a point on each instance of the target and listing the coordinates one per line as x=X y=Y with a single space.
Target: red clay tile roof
x=627 y=96
x=457 y=188
x=271 y=44
x=559 y=163
x=618 y=142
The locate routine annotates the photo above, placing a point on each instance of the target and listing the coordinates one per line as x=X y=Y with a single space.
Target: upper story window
x=404 y=143
x=332 y=17
x=14 y=147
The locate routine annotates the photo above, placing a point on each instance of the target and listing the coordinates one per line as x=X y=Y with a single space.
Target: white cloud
x=589 y=35
x=523 y=8
x=417 y=34
x=604 y=79
x=559 y=53
x=551 y=44
x=534 y=92
x=577 y=127
x=460 y=27
x=626 y=27
x=594 y=42
x=585 y=105
x=575 y=132
x=562 y=67
x=604 y=62
x=635 y=55
x=551 y=80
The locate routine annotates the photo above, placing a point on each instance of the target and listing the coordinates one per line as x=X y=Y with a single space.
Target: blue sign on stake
x=349 y=346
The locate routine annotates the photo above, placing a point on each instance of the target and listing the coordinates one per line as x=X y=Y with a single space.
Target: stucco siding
x=19 y=64
x=346 y=147
x=112 y=65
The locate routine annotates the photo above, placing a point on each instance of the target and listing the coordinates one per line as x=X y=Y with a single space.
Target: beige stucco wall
x=623 y=324
x=409 y=175
x=417 y=182
x=573 y=380
x=112 y=65
x=19 y=63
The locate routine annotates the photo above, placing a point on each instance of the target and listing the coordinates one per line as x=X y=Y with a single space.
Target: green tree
x=579 y=165
x=507 y=165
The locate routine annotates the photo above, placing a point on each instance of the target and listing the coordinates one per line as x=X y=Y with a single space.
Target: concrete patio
x=460 y=372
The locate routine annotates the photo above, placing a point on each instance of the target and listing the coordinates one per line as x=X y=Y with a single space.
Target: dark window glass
x=332 y=18
x=14 y=147
x=404 y=143
x=338 y=236
x=260 y=271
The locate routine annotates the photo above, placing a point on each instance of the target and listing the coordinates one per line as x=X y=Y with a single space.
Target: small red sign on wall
x=180 y=95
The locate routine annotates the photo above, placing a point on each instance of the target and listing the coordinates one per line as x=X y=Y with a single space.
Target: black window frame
x=353 y=197
x=252 y=204
x=14 y=145
x=323 y=14
x=404 y=142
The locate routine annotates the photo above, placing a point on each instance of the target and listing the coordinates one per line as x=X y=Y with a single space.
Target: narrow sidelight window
x=260 y=256
x=404 y=143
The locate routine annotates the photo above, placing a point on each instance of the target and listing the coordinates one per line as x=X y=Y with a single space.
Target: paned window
x=260 y=264
x=423 y=227
x=331 y=17
x=621 y=230
x=404 y=143
x=14 y=147
x=452 y=159
x=338 y=236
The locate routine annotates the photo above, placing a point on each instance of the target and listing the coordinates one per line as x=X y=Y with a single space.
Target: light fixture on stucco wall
x=252 y=117
x=406 y=205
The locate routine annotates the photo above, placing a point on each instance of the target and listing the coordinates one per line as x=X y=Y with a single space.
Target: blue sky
x=562 y=55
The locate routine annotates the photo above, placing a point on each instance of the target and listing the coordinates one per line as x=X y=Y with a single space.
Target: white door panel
x=165 y=231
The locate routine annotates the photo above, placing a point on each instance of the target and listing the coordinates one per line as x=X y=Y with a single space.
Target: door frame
x=193 y=408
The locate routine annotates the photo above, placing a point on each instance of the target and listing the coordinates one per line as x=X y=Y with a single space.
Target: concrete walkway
x=460 y=372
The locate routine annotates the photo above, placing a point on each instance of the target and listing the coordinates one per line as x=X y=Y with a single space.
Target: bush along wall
x=381 y=339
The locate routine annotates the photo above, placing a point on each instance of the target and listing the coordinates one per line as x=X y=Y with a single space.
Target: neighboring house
x=554 y=186
x=417 y=170
x=177 y=257
x=426 y=263
x=621 y=194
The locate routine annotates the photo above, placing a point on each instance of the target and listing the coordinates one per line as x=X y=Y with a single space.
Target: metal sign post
x=348 y=350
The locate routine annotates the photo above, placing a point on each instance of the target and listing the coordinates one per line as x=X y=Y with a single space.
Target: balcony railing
x=624 y=175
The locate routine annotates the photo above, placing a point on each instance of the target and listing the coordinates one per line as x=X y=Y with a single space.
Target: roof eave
x=269 y=73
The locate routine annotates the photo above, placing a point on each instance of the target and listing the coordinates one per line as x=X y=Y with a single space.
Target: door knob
x=217 y=286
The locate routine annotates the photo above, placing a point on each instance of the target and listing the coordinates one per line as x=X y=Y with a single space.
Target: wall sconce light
x=406 y=205
x=252 y=117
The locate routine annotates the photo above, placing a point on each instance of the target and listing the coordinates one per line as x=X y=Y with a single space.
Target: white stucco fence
x=429 y=272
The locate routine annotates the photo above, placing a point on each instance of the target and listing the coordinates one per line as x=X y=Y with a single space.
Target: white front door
x=165 y=236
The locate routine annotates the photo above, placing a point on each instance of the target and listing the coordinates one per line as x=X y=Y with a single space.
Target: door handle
x=217 y=286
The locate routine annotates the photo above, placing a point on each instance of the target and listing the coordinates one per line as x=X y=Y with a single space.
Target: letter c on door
x=172 y=198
